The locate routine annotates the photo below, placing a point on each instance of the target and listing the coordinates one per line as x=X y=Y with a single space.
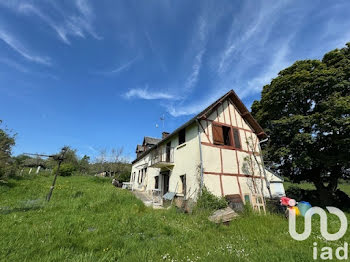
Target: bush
x=208 y=201
x=123 y=177
x=340 y=199
x=66 y=169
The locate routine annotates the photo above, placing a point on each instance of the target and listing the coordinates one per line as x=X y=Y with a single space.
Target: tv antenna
x=162 y=118
x=59 y=158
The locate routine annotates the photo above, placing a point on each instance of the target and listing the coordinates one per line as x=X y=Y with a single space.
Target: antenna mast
x=162 y=118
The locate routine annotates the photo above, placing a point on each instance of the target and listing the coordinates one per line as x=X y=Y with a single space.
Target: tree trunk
x=326 y=193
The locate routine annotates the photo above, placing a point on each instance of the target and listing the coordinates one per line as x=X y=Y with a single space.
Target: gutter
x=201 y=158
x=263 y=166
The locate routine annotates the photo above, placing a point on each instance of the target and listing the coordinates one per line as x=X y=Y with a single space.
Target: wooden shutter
x=236 y=138
x=218 y=136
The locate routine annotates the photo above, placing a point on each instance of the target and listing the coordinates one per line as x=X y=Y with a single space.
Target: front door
x=165 y=176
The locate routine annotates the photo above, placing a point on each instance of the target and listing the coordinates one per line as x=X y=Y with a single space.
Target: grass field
x=345 y=187
x=89 y=220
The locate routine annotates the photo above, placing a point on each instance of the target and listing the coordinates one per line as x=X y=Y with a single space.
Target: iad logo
x=326 y=252
x=323 y=225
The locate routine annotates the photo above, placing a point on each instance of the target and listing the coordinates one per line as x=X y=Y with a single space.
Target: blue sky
x=100 y=74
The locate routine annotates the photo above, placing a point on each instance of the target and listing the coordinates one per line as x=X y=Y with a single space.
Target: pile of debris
x=223 y=215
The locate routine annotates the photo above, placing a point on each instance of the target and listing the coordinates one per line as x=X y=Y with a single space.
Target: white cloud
x=16 y=45
x=124 y=66
x=154 y=50
x=193 y=78
x=190 y=109
x=148 y=95
x=255 y=32
x=200 y=42
x=279 y=62
x=65 y=24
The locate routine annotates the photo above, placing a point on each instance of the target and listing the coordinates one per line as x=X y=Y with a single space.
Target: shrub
x=66 y=169
x=123 y=177
x=208 y=201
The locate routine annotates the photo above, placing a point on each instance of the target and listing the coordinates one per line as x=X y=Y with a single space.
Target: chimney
x=165 y=134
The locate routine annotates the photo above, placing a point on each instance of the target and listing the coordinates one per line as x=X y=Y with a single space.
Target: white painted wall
x=231 y=162
x=186 y=162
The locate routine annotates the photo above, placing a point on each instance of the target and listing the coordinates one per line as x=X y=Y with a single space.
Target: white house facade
x=218 y=149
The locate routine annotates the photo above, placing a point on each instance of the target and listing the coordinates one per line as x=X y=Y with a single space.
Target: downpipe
x=263 y=166
x=201 y=158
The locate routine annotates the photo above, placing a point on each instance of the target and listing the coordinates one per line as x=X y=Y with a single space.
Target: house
x=148 y=142
x=219 y=148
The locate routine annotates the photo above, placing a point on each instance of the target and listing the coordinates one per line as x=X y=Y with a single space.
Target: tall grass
x=88 y=219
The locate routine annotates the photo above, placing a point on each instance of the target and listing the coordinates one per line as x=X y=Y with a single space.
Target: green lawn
x=89 y=220
x=345 y=187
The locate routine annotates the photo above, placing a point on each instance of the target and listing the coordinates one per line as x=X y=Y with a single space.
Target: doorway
x=168 y=151
x=165 y=187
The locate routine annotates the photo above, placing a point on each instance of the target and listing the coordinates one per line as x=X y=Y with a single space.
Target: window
x=143 y=174
x=183 y=181
x=182 y=136
x=247 y=199
x=222 y=135
x=227 y=135
x=133 y=176
x=236 y=138
x=218 y=136
x=156 y=182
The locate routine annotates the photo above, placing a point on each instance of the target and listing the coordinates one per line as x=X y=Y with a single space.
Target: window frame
x=184 y=184
x=231 y=133
x=182 y=134
x=156 y=182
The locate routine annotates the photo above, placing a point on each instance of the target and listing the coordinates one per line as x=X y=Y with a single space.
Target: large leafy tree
x=305 y=111
x=7 y=141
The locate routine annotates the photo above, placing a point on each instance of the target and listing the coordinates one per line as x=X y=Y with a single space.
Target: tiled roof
x=235 y=100
x=150 y=140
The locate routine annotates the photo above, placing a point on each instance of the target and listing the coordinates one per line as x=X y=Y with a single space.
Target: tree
x=113 y=163
x=84 y=164
x=7 y=141
x=306 y=113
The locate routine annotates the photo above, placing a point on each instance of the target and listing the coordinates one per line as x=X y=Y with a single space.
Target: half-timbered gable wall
x=230 y=166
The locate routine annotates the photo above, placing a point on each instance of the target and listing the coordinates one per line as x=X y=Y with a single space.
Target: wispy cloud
x=123 y=67
x=280 y=61
x=16 y=45
x=189 y=109
x=255 y=33
x=200 y=42
x=65 y=24
x=155 y=52
x=245 y=43
x=144 y=93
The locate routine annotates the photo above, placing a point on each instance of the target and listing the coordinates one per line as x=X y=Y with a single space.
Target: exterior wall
x=139 y=165
x=186 y=162
x=228 y=170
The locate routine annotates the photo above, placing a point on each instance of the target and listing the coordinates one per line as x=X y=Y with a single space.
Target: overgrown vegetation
x=88 y=219
x=7 y=165
x=207 y=201
x=111 y=164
